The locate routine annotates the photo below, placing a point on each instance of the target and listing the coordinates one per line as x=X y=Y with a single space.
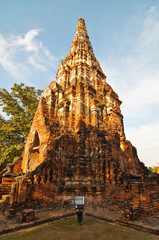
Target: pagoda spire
x=81 y=26
x=81 y=36
x=80 y=65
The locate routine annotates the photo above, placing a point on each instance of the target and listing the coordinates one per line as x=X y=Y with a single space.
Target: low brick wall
x=126 y=223
x=36 y=223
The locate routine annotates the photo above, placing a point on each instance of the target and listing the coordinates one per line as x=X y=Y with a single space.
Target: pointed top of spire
x=81 y=31
x=81 y=36
x=81 y=53
x=81 y=26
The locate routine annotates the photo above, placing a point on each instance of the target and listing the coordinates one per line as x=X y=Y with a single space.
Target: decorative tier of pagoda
x=77 y=146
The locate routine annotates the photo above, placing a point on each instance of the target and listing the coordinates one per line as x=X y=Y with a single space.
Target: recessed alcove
x=34 y=152
x=36 y=142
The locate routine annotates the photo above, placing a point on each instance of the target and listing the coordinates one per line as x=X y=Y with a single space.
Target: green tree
x=19 y=107
x=153 y=169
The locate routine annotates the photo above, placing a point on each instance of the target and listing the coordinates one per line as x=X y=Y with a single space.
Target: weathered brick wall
x=78 y=164
x=76 y=144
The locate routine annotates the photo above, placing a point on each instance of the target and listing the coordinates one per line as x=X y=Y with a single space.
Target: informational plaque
x=79 y=202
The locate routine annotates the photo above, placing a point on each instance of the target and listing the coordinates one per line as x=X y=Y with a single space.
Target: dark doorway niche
x=36 y=142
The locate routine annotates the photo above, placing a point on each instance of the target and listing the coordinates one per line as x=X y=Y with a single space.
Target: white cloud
x=149 y=38
x=6 y=58
x=21 y=55
x=28 y=41
x=146 y=139
x=135 y=76
x=144 y=89
x=32 y=60
x=139 y=99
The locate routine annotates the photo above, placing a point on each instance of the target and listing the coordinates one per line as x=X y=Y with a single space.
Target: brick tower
x=77 y=146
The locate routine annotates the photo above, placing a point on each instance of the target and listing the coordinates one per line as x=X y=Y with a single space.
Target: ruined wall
x=86 y=165
x=37 y=140
x=77 y=146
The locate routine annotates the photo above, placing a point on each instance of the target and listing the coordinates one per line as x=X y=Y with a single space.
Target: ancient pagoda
x=77 y=146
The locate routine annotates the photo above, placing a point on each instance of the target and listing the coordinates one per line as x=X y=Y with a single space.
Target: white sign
x=79 y=200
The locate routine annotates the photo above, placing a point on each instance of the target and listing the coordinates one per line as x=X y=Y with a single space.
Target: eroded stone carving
x=77 y=144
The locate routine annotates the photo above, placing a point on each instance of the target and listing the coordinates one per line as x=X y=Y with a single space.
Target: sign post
x=79 y=206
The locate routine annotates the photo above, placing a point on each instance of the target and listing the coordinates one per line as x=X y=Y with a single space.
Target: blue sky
x=36 y=34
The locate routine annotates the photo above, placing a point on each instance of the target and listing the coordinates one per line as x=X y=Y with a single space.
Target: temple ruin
x=77 y=146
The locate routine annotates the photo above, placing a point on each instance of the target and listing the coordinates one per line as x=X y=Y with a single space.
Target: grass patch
x=68 y=230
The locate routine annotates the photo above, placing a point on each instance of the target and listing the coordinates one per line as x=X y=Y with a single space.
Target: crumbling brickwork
x=77 y=145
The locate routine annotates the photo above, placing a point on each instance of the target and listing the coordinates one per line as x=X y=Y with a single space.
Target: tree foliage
x=154 y=169
x=19 y=107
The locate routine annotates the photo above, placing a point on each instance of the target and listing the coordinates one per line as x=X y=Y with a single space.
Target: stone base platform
x=148 y=224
